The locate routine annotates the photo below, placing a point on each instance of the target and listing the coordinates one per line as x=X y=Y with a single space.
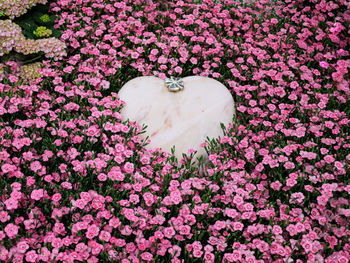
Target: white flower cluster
x=11 y=37
x=10 y=33
x=16 y=8
x=30 y=72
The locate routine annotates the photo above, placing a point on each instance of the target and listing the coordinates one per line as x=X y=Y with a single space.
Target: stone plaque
x=178 y=112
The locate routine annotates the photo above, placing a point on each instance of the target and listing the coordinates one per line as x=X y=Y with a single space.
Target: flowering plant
x=45 y=18
x=16 y=8
x=42 y=31
x=78 y=184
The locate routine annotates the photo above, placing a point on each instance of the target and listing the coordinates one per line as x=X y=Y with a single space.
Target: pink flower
x=35 y=166
x=5 y=168
x=118 y=176
x=68 y=69
x=80 y=203
x=209 y=248
x=300 y=132
x=308 y=155
x=291 y=182
x=324 y=64
x=237 y=255
x=338 y=165
x=162 y=60
x=11 y=230
x=134 y=199
x=81 y=225
x=197 y=245
x=175 y=197
x=219 y=225
x=307 y=245
x=13 y=78
x=102 y=177
x=146 y=256
x=45 y=253
x=178 y=70
x=114 y=222
x=31 y=256
x=94 y=229
x=135 y=55
x=56 y=243
x=238 y=226
x=128 y=167
x=277 y=230
x=197 y=253
x=329 y=159
x=346 y=16
x=169 y=232
x=297 y=198
x=96 y=204
x=291 y=229
x=185 y=230
x=209 y=257
x=119 y=147
x=289 y=165
x=22 y=246
x=126 y=231
x=250 y=154
x=37 y=194
x=4 y=216
x=229 y=257
x=130 y=247
x=90 y=235
x=11 y=203
x=56 y=197
x=105 y=236
x=238 y=200
x=300 y=227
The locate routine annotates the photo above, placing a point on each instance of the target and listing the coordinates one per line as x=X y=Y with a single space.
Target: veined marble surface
x=184 y=118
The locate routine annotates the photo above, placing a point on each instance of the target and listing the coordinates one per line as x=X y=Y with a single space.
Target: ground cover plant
x=77 y=184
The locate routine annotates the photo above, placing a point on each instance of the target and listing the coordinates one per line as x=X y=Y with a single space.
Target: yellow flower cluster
x=42 y=31
x=11 y=37
x=30 y=72
x=16 y=8
x=45 y=18
x=26 y=46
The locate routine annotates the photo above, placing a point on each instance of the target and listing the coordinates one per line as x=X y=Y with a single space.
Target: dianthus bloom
x=11 y=230
x=324 y=64
x=297 y=198
x=169 y=232
x=128 y=167
x=37 y=194
x=31 y=256
x=146 y=256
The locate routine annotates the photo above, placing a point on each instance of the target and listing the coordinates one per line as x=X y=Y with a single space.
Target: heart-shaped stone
x=182 y=119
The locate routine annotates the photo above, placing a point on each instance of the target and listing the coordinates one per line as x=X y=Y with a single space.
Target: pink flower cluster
x=78 y=184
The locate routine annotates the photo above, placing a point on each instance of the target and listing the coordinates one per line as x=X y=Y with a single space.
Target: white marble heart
x=182 y=119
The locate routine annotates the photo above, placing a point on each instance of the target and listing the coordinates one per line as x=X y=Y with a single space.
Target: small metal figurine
x=174 y=84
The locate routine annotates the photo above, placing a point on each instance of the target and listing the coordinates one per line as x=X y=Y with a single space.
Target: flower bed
x=77 y=184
